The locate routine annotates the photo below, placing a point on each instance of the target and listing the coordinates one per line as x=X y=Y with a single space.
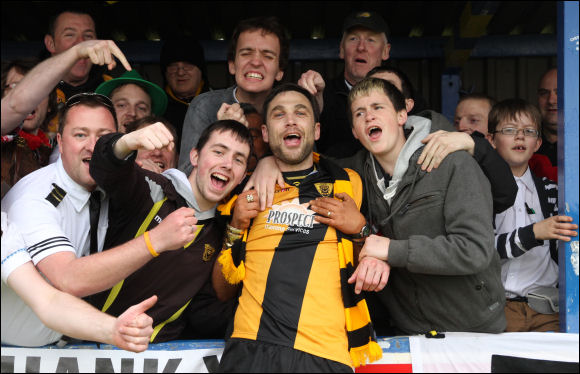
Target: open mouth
x=31 y=115
x=254 y=75
x=519 y=148
x=374 y=132
x=160 y=164
x=87 y=161
x=219 y=180
x=292 y=139
x=360 y=60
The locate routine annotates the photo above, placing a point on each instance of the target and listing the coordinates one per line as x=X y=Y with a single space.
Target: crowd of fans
x=296 y=221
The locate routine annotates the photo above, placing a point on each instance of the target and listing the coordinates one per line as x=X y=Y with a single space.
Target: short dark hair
x=240 y=132
x=149 y=120
x=477 y=96
x=268 y=25
x=406 y=85
x=88 y=99
x=367 y=85
x=511 y=109
x=52 y=20
x=285 y=87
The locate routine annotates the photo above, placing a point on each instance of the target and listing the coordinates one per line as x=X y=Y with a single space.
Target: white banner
x=21 y=360
x=173 y=357
x=471 y=353
x=457 y=352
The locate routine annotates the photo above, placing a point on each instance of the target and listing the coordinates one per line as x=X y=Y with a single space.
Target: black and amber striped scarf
x=362 y=343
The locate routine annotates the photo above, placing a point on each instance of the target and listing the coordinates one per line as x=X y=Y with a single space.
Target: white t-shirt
x=20 y=326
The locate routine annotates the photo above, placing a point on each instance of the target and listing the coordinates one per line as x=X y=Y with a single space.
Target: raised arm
x=42 y=79
x=155 y=136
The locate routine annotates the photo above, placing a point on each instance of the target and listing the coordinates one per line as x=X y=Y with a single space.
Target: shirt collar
x=348 y=85
x=183 y=188
x=527 y=180
x=234 y=93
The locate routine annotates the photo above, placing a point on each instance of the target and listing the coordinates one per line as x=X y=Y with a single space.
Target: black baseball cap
x=367 y=19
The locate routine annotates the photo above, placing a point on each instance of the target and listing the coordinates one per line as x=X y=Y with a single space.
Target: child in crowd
x=526 y=233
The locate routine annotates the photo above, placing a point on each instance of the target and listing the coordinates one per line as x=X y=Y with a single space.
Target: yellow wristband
x=149 y=246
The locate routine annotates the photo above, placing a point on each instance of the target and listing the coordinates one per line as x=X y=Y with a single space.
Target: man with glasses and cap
x=364 y=45
x=62 y=215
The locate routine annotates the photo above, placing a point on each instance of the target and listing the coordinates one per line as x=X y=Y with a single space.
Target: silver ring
x=329 y=213
x=250 y=198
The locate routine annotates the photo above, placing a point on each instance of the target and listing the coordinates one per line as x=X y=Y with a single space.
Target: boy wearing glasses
x=526 y=233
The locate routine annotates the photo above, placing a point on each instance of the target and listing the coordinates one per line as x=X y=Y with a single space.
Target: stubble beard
x=287 y=157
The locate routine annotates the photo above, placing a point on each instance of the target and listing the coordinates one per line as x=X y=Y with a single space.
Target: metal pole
x=568 y=158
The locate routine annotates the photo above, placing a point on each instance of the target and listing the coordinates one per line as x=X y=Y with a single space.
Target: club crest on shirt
x=325 y=189
x=208 y=253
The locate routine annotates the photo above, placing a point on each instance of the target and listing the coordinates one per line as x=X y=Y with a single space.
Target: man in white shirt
x=59 y=310
x=52 y=209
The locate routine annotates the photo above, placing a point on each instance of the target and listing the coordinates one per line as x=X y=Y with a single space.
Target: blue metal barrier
x=568 y=158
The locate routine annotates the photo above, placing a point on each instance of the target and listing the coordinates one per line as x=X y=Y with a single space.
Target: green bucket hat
x=158 y=96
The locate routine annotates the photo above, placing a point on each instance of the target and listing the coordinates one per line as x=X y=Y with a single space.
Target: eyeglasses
x=87 y=97
x=172 y=69
x=512 y=131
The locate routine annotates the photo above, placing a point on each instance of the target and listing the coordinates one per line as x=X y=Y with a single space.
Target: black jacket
x=180 y=277
x=336 y=138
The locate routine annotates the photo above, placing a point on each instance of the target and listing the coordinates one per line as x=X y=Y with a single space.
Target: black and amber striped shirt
x=291 y=294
